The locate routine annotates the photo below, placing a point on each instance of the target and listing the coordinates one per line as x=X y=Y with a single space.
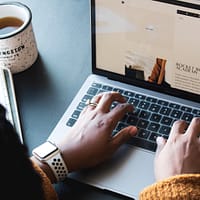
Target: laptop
x=148 y=50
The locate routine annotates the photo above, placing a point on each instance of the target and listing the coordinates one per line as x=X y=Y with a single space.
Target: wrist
x=70 y=155
x=50 y=159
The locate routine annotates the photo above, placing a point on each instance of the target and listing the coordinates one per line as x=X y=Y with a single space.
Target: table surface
x=44 y=91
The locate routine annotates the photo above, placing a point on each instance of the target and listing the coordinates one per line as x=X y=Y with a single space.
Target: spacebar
x=143 y=144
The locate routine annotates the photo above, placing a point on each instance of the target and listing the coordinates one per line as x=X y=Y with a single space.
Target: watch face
x=45 y=150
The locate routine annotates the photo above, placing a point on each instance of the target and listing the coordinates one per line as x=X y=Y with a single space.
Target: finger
x=193 y=130
x=178 y=127
x=160 y=145
x=119 y=111
x=91 y=104
x=123 y=136
x=108 y=98
x=97 y=97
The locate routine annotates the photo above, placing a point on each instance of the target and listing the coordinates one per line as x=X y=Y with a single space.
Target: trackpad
x=127 y=172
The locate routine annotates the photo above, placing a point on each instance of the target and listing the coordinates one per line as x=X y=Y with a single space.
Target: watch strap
x=49 y=153
x=57 y=165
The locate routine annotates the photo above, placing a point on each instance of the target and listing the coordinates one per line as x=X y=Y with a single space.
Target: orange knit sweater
x=180 y=187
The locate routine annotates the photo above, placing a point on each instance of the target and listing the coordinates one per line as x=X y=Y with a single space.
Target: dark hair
x=19 y=180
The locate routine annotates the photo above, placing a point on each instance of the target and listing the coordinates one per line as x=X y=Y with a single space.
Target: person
x=90 y=142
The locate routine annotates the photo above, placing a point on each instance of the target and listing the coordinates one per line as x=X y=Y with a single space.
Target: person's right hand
x=180 y=154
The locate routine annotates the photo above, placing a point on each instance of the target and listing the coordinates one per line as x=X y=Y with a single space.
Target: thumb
x=123 y=136
x=160 y=144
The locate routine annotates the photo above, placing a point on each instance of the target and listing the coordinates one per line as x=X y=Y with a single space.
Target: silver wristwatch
x=50 y=154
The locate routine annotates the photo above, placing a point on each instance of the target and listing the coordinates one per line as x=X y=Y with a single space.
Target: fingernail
x=159 y=140
x=133 y=130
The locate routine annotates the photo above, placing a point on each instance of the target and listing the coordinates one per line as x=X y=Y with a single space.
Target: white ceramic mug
x=18 y=49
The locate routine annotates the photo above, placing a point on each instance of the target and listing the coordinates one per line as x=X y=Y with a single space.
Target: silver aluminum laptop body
x=128 y=36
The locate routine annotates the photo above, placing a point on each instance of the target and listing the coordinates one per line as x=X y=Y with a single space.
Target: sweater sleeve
x=49 y=191
x=181 y=187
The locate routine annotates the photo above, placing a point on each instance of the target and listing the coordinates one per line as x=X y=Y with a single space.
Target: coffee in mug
x=9 y=24
x=18 y=49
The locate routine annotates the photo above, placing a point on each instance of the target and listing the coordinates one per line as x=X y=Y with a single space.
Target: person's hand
x=90 y=140
x=180 y=154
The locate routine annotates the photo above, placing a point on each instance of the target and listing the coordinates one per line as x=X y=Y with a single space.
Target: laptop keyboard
x=152 y=116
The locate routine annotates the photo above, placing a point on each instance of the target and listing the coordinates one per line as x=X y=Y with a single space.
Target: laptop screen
x=153 y=44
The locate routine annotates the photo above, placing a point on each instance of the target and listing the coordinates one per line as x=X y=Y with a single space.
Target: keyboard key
x=136 y=112
x=96 y=85
x=81 y=106
x=165 y=130
x=153 y=127
x=129 y=94
x=140 y=96
x=165 y=111
x=155 y=117
x=173 y=105
x=142 y=123
x=107 y=88
x=151 y=99
x=166 y=121
x=196 y=112
x=144 y=114
x=92 y=91
x=163 y=103
x=118 y=90
x=132 y=120
x=133 y=101
x=143 y=133
x=165 y=136
x=71 y=122
x=76 y=114
x=114 y=104
x=144 y=105
x=86 y=98
x=154 y=108
x=187 y=117
x=186 y=109
x=101 y=91
x=153 y=136
x=176 y=114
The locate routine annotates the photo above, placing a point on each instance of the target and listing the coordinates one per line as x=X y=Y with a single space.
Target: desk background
x=44 y=91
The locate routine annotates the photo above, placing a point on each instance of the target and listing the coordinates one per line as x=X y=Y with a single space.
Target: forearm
x=185 y=186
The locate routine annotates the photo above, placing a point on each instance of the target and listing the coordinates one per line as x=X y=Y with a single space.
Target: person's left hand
x=181 y=152
x=90 y=140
